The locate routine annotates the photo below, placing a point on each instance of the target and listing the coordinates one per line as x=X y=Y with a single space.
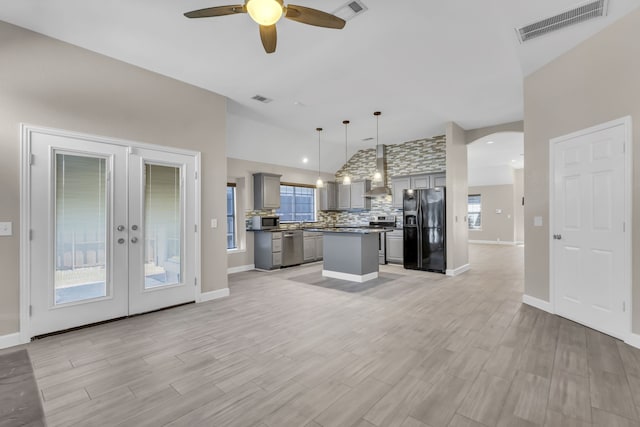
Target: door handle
x=134 y=239
x=134 y=227
x=121 y=240
x=120 y=228
x=557 y=237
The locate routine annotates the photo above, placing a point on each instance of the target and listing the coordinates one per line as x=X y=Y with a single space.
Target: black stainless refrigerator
x=424 y=230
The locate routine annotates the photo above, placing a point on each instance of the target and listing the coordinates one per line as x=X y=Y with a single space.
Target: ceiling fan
x=267 y=12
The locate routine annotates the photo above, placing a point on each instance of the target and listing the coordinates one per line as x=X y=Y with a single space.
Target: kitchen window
x=231 y=216
x=474 y=212
x=297 y=203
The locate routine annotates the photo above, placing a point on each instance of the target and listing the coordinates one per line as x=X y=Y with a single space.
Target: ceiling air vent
x=262 y=99
x=350 y=10
x=584 y=12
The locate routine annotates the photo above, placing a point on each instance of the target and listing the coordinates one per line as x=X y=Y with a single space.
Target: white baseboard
x=241 y=268
x=217 y=294
x=538 y=303
x=10 y=340
x=459 y=270
x=350 y=277
x=492 y=242
x=633 y=340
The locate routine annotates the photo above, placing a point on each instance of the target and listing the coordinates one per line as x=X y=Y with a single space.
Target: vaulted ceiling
x=422 y=63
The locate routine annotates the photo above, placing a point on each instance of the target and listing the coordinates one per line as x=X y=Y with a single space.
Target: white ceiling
x=422 y=63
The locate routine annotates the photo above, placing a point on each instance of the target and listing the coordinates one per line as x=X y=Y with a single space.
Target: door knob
x=120 y=228
x=134 y=227
x=121 y=240
x=134 y=239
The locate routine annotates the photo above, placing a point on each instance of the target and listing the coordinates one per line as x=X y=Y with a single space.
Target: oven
x=382 y=221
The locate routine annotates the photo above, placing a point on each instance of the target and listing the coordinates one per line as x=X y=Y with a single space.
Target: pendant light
x=319 y=183
x=346 y=179
x=377 y=176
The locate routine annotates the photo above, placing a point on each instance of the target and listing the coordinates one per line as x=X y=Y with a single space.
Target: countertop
x=352 y=230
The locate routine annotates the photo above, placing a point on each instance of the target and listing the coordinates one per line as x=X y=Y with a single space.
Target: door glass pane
x=163 y=225
x=80 y=228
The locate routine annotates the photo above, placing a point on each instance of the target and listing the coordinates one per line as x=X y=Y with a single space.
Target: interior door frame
x=628 y=194
x=26 y=132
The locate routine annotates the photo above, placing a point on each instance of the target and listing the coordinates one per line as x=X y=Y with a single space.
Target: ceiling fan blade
x=306 y=15
x=269 y=37
x=216 y=11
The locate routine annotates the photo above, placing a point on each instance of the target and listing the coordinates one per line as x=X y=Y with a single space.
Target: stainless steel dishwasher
x=292 y=248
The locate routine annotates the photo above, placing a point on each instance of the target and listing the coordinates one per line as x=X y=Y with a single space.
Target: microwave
x=265 y=222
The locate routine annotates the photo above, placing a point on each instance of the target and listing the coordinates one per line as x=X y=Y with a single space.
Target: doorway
x=590 y=221
x=112 y=228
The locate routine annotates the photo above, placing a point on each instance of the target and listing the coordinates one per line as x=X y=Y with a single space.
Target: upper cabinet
x=351 y=197
x=401 y=183
x=420 y=181
x=328 y=197
x=358 y=190
x=344 y=197
x=266 y=191
x=398 y=185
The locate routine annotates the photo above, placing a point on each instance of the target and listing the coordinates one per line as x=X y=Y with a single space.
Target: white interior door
x=112 y=230
x=589 y=249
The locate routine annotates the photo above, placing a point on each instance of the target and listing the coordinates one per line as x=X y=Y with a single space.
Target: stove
x=382 y=221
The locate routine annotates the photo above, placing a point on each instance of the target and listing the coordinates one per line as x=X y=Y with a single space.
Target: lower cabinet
x=267 y=251
x=395 y=251
x=312 y=244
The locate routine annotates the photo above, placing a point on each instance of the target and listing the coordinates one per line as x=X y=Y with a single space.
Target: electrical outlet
x=214 y=223
x=5 y=229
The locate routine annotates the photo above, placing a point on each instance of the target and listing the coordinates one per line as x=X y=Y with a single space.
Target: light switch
x=214 y=223
x=537 y=221
x=5 y=229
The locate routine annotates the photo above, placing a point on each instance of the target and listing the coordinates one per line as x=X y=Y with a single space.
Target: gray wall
x=49 y=83
x=457 y=191
x=595 y=82
x=496 y=227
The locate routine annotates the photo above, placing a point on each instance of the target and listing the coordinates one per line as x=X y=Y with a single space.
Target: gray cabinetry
x=328 y=196
x=358 y=190
x=344 y=197
x=395 y=247
x=266 y=191
x=267 y=250
x=420 y=181
x=312 y=246
x=398 y=185
x=438 y=180
x=427 y=180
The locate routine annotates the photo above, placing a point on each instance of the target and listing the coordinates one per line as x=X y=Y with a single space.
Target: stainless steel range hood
x=381 y=190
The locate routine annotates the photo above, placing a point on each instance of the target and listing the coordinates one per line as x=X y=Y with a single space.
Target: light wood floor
x=419 y=349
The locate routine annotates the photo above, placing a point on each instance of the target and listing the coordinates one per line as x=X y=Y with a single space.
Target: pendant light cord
x=319 y=130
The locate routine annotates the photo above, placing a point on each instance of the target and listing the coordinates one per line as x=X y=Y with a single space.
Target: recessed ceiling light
x=513 y=160
x=489 y=142
x=299 y=104
x=305 y=160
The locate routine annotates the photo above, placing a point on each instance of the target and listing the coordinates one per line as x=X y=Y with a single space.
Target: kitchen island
x=350 y=253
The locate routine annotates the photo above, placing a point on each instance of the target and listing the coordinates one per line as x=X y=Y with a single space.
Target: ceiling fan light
x=346 y=180
x=265 y=12
x=319 y=183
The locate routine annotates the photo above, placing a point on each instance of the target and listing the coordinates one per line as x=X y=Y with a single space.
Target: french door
x=112 y=230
